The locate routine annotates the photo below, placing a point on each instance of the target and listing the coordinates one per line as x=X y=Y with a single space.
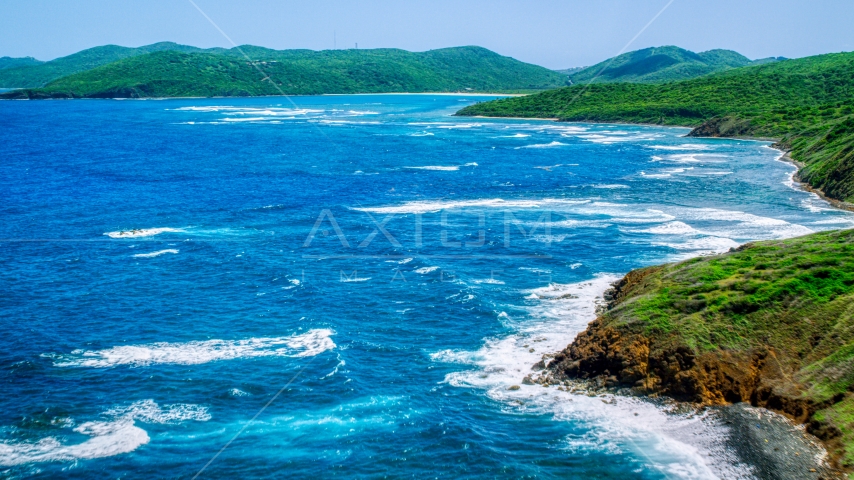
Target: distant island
x=172 y=70
x=770 y=323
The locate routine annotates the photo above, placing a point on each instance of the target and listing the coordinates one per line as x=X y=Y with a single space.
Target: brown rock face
x=722 y=127
x=670 y=369
x=610 y=354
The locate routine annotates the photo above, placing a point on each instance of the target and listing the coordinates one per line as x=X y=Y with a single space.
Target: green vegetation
x=40 y=73
x=660 y=64
x=10 y=62
x=794 y=296
x=806 y=103
x=300 y=72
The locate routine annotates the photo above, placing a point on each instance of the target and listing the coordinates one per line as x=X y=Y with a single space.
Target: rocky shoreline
x=741 y=391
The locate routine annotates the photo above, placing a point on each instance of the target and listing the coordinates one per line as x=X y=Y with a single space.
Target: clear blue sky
x=552 y=33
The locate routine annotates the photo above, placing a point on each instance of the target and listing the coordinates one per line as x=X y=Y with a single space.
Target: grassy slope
x=805 y=102
x=39 y=74
x=795 y=296
x=660 y=64
x=301 y=72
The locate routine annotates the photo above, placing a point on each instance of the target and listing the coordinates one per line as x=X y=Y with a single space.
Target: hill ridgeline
x=661 y=64
x=171 y=73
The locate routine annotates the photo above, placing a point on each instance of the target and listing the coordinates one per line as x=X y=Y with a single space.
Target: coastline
x=786 y=158
x=769 y=443
x=457 y=94
x=773 y=444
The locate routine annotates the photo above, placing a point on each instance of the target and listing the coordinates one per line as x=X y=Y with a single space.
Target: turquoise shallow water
x=370 y=271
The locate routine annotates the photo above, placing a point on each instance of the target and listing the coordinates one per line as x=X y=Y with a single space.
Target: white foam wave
x=148 y=411
x=108 y=438
x=142 y=232
x=440 y=168
x=156 y=254
x=355 y=279
x=609 y=139
x=544 y=145
x=460 y=125
x=265 y=111
x=426 y=270
x=625 y=424
x=654 y=175
x=439 y=205
x=847 y=220
x=307 y=344
x=250 y=119
x=422 y=134
x=686 y=146
x=671 y=228
x=688 y=158
x=707 y=244
x=518 y=135
x=737 y=224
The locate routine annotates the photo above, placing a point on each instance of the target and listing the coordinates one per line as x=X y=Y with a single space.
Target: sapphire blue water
x=346 y=286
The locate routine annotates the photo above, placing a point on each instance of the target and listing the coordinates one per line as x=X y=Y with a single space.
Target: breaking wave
x=307 y=344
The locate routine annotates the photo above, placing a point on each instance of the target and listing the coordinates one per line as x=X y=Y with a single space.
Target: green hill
x=805 y=103
x=10 y=62
x=39 y=73
x=300 y=72
x=660 y=64
x=771 y=323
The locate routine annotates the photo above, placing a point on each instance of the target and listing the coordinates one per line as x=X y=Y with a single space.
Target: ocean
x=346 y=286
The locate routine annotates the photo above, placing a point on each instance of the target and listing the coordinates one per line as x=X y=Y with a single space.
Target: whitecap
x=440 y=168
x=439 y=205
x=426 y=270
x=142 y=232
x=655 y=175
x=155 y=254
x=460 y=125
x=544 y=145
x=148 y=411
x=671 y=228
x=686 y=146
x=683 y=158
x=108 y=438
x=557 y=313
x=307 y=344
x=708 y=244
x=345 y=279
x=250 y=119
x=609 y=139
